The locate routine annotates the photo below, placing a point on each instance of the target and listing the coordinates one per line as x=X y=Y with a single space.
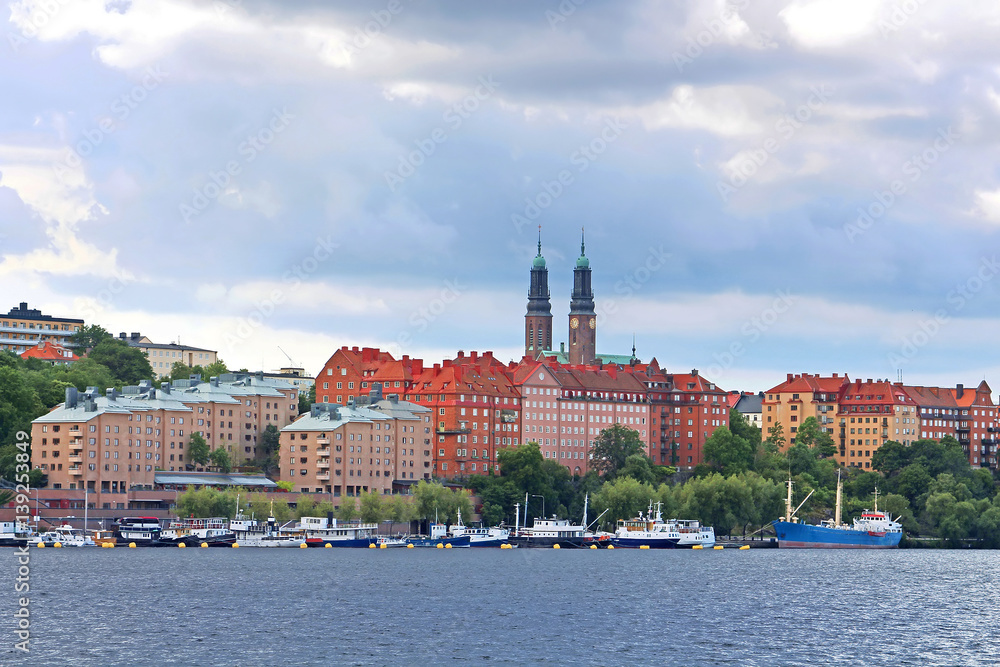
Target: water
x=416 y=606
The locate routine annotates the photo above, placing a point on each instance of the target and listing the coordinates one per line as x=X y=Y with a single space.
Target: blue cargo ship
x=872 y=530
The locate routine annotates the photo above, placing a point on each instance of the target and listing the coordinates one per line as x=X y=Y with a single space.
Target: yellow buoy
x=235 y=545
x=409 y=546
x=440 y=546
x=718 y=547
x=448 y=546
x=697 y=546
x=57 y=545
x=41 y=545
x=556 y=546
x=131 y=545
x=303 y=546
x=327 y=546
x=611 y=546
x=181 y=545
x=371 y=546
x=744 y=547
x=643 y=546
x=593 y=546
x=204 y=544
x=383 y=546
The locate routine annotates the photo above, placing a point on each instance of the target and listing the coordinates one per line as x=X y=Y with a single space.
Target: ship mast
x=840 y=486
x=788 y=502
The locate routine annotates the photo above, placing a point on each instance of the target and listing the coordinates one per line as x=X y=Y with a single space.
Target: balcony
x=323 y=476
x=75 y=458
x=322 y=441
x=75 y=470
x=323 y=465
x=442 y=430
x=323 y=451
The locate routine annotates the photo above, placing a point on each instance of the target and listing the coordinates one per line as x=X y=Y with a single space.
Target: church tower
x=582 y=318
x=538 y=320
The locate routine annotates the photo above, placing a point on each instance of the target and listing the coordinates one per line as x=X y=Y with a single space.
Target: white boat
x=252 y=533
x=479 y=537
x=385 y=542
x=646 y=531
x=195 y=532
x=14 y=534
x=320 y=531
x=65 y=535
x=692 y=533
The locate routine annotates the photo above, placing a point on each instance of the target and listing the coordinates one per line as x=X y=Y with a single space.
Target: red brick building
x=353 y=372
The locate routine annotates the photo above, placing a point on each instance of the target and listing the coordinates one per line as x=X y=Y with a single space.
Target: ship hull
x=804 y=536
x=639 y=542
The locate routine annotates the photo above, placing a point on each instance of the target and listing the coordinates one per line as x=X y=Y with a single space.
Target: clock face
x=593 y=323
x=574 y=323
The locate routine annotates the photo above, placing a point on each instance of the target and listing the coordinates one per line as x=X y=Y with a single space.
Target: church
x=582 y=333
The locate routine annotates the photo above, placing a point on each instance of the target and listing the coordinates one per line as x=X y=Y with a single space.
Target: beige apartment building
x=162 y=356
x=24 y=328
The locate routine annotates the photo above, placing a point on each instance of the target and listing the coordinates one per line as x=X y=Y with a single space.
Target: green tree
x=214 y=369
x=127 y=364
x=307 y=398
x=624 y=498
x=613 y=447
x=372 y=508
x=775 y=438
x=638 y=467
x=181 y=371
x=305 y=505
x=348 y=510
x=198 y=451
x=742 y=428
x=812 y=435
x=220 y=459
x=89 y=336
x=400 y=510
x=728 y=452
x=269 y=447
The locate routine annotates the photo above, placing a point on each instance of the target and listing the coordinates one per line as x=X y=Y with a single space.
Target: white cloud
x=830 y=23
x=724 y=110
x=987 y=205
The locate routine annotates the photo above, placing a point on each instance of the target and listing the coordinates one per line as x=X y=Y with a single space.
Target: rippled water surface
x=416 y=606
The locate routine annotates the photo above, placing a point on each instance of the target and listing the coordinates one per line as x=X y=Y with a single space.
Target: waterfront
x=345 y=606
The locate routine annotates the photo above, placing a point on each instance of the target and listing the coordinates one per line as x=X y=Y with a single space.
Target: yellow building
x=162 y=356
x=24 y=328
x=798 y=398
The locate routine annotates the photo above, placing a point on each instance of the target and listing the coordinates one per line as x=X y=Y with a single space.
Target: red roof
x=49 y=351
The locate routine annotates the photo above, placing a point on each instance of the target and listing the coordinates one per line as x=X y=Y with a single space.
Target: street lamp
x=543 y=503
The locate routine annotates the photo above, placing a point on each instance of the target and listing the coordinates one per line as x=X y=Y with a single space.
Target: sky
x=767 y=187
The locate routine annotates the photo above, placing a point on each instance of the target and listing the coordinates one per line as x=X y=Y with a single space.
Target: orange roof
x=806 y=383
x=49 y=351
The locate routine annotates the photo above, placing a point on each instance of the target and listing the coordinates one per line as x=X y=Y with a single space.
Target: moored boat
x=646 y=531
x=65 y=535
x=479 y=537
x=439 y=536
x=320 y=531
x=872 y=530
x=143 y=531
x=692 y=533
x=14 y=534
x=252 y=533
x=103 y=537
x=195 y=532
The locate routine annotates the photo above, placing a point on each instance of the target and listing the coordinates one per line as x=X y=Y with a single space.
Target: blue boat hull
x=360 y=543
x=636 y=542
x=804 y=536
x=455 y=542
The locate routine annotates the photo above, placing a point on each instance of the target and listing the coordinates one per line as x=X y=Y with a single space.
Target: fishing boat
x=195 y=532
x=872 y=530
x=252 y=533
x=439 y=535
x=143 y=531
x=321 y=531
x=479 y=537
x=646 y=531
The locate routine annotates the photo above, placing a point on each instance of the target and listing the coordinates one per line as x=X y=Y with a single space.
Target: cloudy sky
x=767 y=186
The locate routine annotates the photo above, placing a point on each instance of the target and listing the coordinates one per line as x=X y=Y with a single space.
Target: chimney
x=165 y=387
x=71 y=397
x=788 y=378
x=461 y=354
x=111 y=393
x=562 y=348
x=869 y=380
x=214 y=381
x=24 y=305
x=959 y=390
x=121 y=334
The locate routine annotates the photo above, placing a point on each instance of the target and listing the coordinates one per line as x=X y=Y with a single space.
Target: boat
x=143 y=531
x=872 y=530
x=320 y=531
x=385 y=542
x=439 y=536
x=646 y=531
x=14 y=534
x=252 y=533
x=195 y=532
x=102 y=537
x=692 y=533
x=479 y=537
x=65 y=535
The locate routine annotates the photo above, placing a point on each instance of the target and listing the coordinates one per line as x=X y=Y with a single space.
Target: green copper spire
x=583 y=262
x=539 y=261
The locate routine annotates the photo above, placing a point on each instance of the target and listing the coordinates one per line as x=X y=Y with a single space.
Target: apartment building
x=799 y=397
x=352 y=372
x=162 y=356
x=23 y=328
